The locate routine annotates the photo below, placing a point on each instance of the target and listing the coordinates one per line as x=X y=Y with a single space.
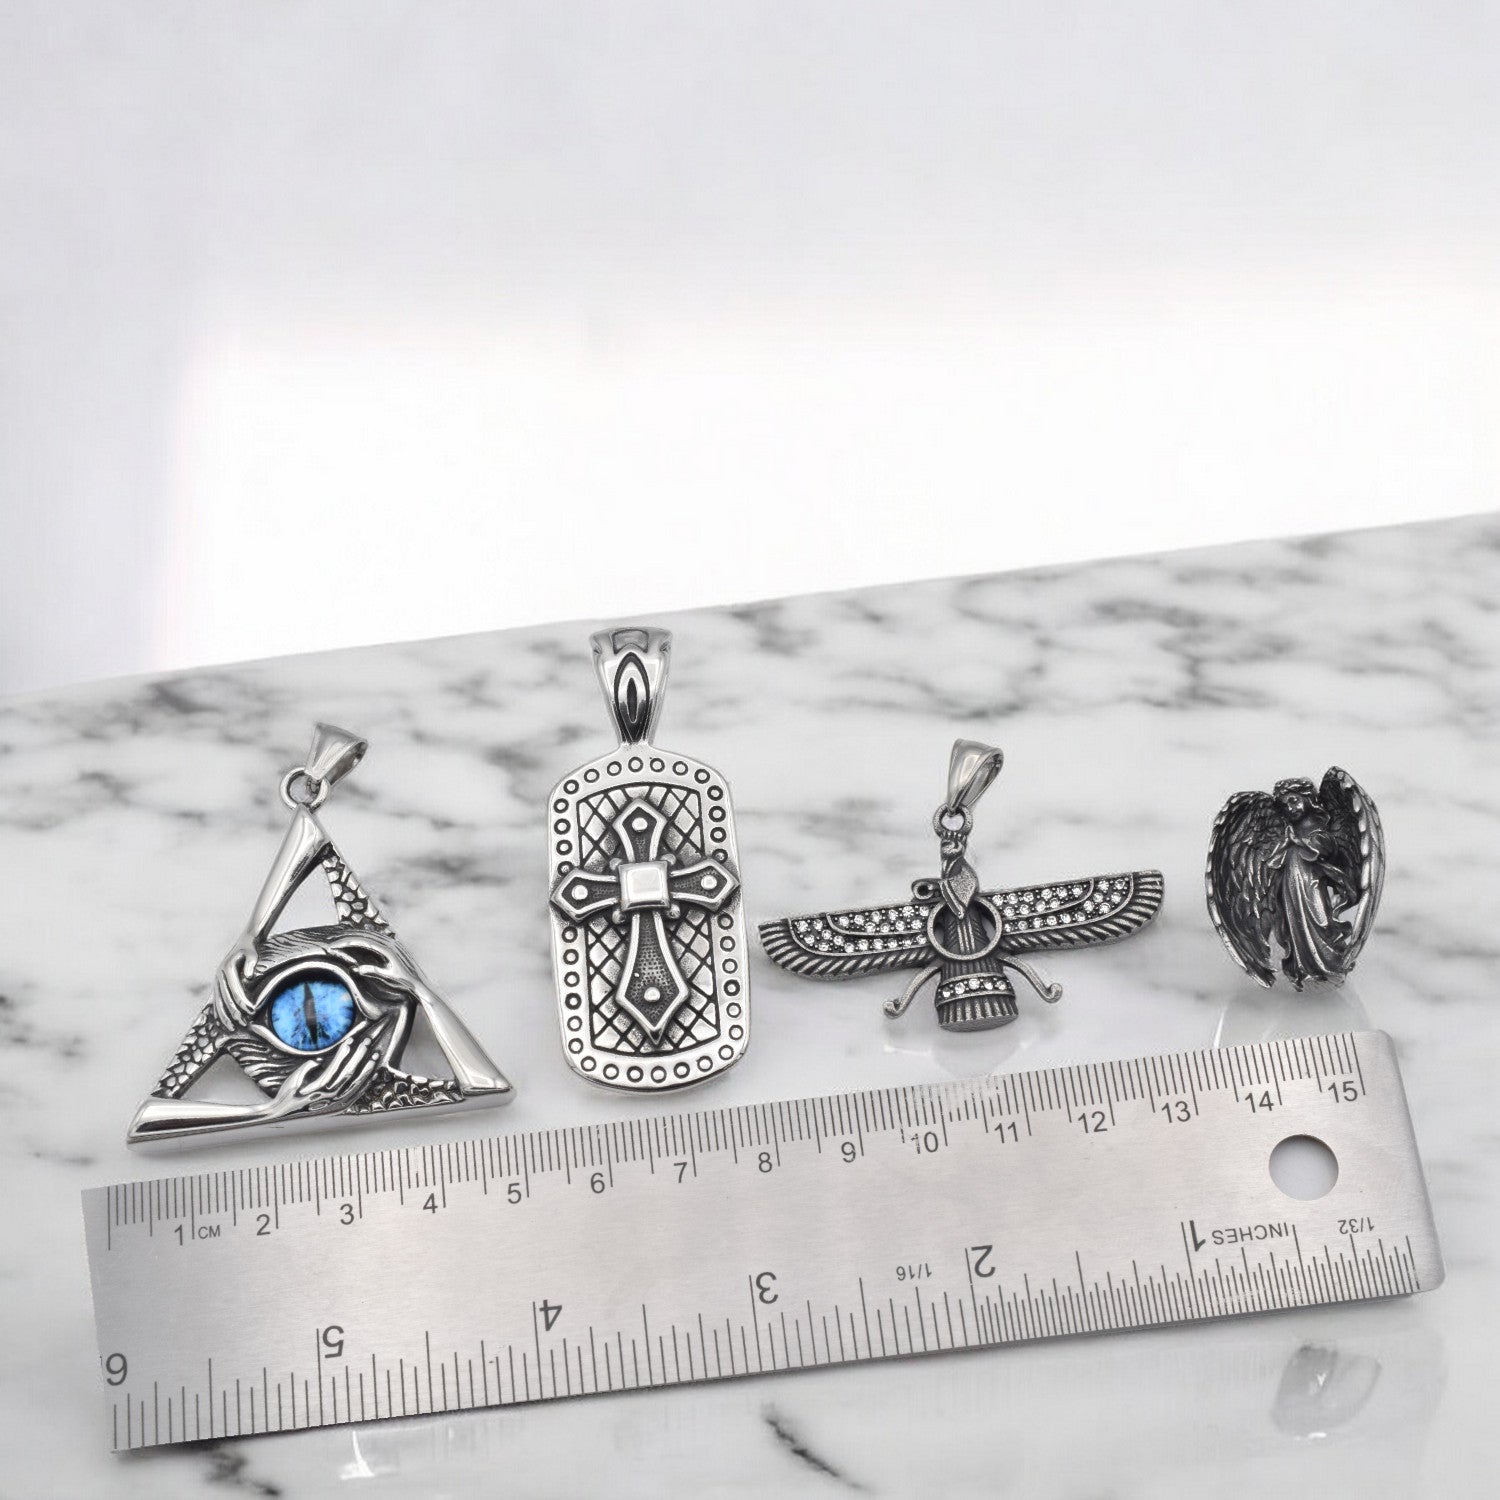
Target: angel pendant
x=1299 y=868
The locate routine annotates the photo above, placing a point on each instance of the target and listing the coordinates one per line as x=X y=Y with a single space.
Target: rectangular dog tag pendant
x=648 y=930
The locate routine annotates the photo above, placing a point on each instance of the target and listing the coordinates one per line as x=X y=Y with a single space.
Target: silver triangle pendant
x=317 y=1018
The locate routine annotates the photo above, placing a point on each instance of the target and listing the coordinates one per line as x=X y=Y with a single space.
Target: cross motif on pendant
x=644 y=887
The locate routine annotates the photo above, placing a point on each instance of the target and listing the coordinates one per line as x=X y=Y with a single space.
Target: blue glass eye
x=311 y=1012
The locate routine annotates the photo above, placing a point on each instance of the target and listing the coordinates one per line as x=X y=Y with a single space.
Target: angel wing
x=877 y=939
x=1359 y=841
x=1241 y=879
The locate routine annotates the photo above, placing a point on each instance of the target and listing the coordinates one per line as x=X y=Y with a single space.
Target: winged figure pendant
x=965 y=940
x=1297 y=872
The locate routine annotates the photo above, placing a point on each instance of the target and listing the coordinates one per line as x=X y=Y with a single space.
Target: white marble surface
x=137 y=817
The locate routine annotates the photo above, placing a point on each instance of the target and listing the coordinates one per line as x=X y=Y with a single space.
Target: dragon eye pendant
x=648 y=931
x=964 y=940
x=317 y=1018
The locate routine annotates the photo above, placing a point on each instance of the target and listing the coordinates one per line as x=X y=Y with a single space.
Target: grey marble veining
x=137 y=819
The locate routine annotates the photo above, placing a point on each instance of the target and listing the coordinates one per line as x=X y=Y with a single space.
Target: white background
x=331 y=323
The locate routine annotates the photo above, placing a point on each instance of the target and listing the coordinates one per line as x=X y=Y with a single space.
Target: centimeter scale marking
x=737 y=1241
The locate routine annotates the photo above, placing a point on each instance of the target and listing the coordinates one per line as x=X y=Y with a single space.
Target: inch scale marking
x=739 y=1241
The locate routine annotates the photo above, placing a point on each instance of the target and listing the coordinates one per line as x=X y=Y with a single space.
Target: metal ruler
x=698 y=1246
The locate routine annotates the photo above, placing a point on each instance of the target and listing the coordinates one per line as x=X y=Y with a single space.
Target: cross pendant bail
x=632 y=667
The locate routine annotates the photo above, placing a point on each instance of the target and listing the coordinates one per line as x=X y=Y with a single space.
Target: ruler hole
x=1304 y=1167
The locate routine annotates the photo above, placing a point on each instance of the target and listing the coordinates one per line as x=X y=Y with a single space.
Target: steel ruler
x=738 y=1241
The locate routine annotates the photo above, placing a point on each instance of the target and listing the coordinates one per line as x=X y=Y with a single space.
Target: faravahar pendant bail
x=972 y=769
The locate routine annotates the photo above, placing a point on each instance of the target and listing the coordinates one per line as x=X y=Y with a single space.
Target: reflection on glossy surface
x=1322 y=1389
x=1155 y=1411
x=970 y=1054
x=1254 y=1015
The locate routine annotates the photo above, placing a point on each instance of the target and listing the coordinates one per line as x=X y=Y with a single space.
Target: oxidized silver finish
x=355 y=1072
x=957 y=935
x=1299 y=868
x=648 y=931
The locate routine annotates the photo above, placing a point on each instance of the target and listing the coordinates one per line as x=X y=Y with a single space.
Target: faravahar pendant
x=963 y=940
